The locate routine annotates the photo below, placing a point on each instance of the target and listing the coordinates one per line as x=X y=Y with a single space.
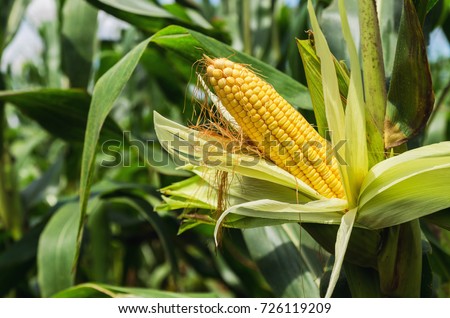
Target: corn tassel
x=279 y=131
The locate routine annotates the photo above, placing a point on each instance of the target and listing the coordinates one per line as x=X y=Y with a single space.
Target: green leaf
x=400 y=261
x=192 y=45
x=342 y=239
x=57 y=249
x=406 y=187
x=105 y=93
x=311 y=64
x=333 y=106
x=193 y=149
x=374 y=80
x=287 y=258
x=410 y=96
x=151 y=17
x=103 y=290
x=78 y=43
x=57 y=109
x=355 y=121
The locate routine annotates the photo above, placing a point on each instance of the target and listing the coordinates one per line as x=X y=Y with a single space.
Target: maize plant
x=258 y=162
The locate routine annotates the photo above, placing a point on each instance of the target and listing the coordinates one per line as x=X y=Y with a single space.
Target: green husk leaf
x=406 y=187
x=333 y=106
x=343 y=237
x=311 y=64
x=196 y=149
x=410 y=96
x=326 y=211
x=374 y=80
x=355 y=121
x=400 y=261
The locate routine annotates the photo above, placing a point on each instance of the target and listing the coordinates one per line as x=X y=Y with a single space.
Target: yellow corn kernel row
x=278 y=130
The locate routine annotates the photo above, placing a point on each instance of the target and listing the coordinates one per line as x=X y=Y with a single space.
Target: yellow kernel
x=213 y=81
x=238 y=95
x=236 y=73
x=231 y=81
x=258 y=103
x=252 y=99
x=229 y=64
x=217 y=74
x=228 y=71
x=222 y=82
x=260 y=124
x=256 y=118
x=219 y=63
x=209 y=70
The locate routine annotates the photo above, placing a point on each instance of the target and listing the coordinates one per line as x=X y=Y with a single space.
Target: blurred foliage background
x=52 y=54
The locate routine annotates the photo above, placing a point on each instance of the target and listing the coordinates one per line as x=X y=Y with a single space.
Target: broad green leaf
x=150 y=17
x=410 y=96
x=403 y=200
x=57 y=109
x=311 y=64
x=343 y=237
x=391 y=193
x=57 y=249
x=192 y=45
x=103 y=290
x=98 y=251
x=78 y=43
x=105 y=93
x=287 y=258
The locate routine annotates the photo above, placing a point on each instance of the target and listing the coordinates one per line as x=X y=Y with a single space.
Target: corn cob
x=277 y=129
